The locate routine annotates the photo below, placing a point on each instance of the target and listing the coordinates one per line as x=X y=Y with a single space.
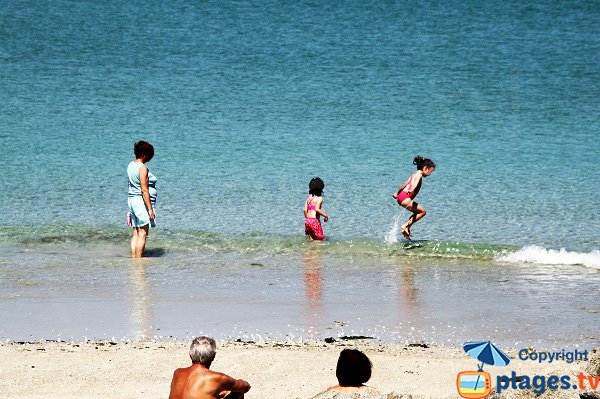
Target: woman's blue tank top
x=135 y=188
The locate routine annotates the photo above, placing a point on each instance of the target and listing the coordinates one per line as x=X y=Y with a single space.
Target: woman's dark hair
x=353 y=368
x=142 y=148
x=316 y=186
x=422 y=162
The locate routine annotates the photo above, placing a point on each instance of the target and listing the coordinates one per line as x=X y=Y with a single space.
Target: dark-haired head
x=316 y=186
x=423 y=162
x=353 y=368
x=143 y=149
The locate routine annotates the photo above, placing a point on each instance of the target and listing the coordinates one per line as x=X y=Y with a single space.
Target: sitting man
x=198 y=382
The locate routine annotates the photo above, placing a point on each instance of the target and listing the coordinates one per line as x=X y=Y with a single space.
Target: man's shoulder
x=205 y=373
x=218 y=379
x=181 y=370
x=216 y=375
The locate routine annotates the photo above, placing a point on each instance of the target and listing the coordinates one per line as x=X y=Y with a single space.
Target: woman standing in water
x=141 y=196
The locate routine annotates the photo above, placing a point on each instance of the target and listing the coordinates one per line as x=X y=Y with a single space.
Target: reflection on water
x=313 y=289
x=141 y=299
x=407 y=288
x=312 y=277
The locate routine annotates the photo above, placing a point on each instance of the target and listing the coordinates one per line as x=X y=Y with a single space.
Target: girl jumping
x=409 y=190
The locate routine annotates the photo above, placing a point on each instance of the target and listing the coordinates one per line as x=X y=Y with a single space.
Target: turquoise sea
x=245 y=102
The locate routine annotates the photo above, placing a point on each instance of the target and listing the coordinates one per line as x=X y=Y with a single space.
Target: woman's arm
x=145 y=191
x=305 y=208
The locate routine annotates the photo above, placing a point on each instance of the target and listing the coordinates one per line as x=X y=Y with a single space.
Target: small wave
x=63 y=234
x=268 y=244
x=536 y=254
x=248 y=243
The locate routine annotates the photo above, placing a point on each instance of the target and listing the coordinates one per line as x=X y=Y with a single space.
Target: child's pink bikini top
x=310 y=206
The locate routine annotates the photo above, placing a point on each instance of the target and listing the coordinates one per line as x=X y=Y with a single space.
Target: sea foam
x=540 y=255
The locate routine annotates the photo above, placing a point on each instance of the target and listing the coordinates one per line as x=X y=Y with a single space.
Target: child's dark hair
x=423 y=162
x=316 y=186
x=353 y=368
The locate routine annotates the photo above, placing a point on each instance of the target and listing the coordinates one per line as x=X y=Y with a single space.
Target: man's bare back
x=198 y=382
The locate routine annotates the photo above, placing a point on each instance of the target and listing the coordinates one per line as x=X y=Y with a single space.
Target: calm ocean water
x=246 y=101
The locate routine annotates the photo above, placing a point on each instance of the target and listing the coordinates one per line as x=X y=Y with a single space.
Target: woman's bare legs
x=138 y=241
x=133 y=242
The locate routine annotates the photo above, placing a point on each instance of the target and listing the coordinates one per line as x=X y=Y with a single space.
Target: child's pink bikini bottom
x=313 y=229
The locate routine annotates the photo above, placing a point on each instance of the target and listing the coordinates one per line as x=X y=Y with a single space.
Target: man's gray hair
x=203 y=350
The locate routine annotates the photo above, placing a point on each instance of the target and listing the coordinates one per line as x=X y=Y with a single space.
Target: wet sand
x=140 y=369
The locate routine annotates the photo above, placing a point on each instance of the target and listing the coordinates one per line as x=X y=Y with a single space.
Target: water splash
x=392 y=236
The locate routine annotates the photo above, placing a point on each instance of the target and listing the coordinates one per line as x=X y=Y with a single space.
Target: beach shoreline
x=143 y=369
x=82 y=293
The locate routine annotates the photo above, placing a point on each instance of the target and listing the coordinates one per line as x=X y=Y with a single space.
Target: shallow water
x=245 y=102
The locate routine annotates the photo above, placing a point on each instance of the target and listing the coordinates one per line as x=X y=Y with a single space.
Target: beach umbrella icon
x=487 y=353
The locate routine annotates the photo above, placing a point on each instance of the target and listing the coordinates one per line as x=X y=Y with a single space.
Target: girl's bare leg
x=405 y=231
x=418 y=213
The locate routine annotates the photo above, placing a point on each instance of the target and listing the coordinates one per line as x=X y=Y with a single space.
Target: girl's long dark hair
x=316 y=186
x=422 y=162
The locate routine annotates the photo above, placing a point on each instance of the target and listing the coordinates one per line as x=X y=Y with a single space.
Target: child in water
x=313 y=211
x=409 y=190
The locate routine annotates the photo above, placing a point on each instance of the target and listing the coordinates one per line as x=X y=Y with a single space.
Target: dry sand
x=275 y=370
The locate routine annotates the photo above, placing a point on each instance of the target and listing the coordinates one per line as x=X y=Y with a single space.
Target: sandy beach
x=283 y=370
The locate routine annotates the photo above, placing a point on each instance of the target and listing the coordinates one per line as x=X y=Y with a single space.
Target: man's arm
x=174 y=394
x=231 y=384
